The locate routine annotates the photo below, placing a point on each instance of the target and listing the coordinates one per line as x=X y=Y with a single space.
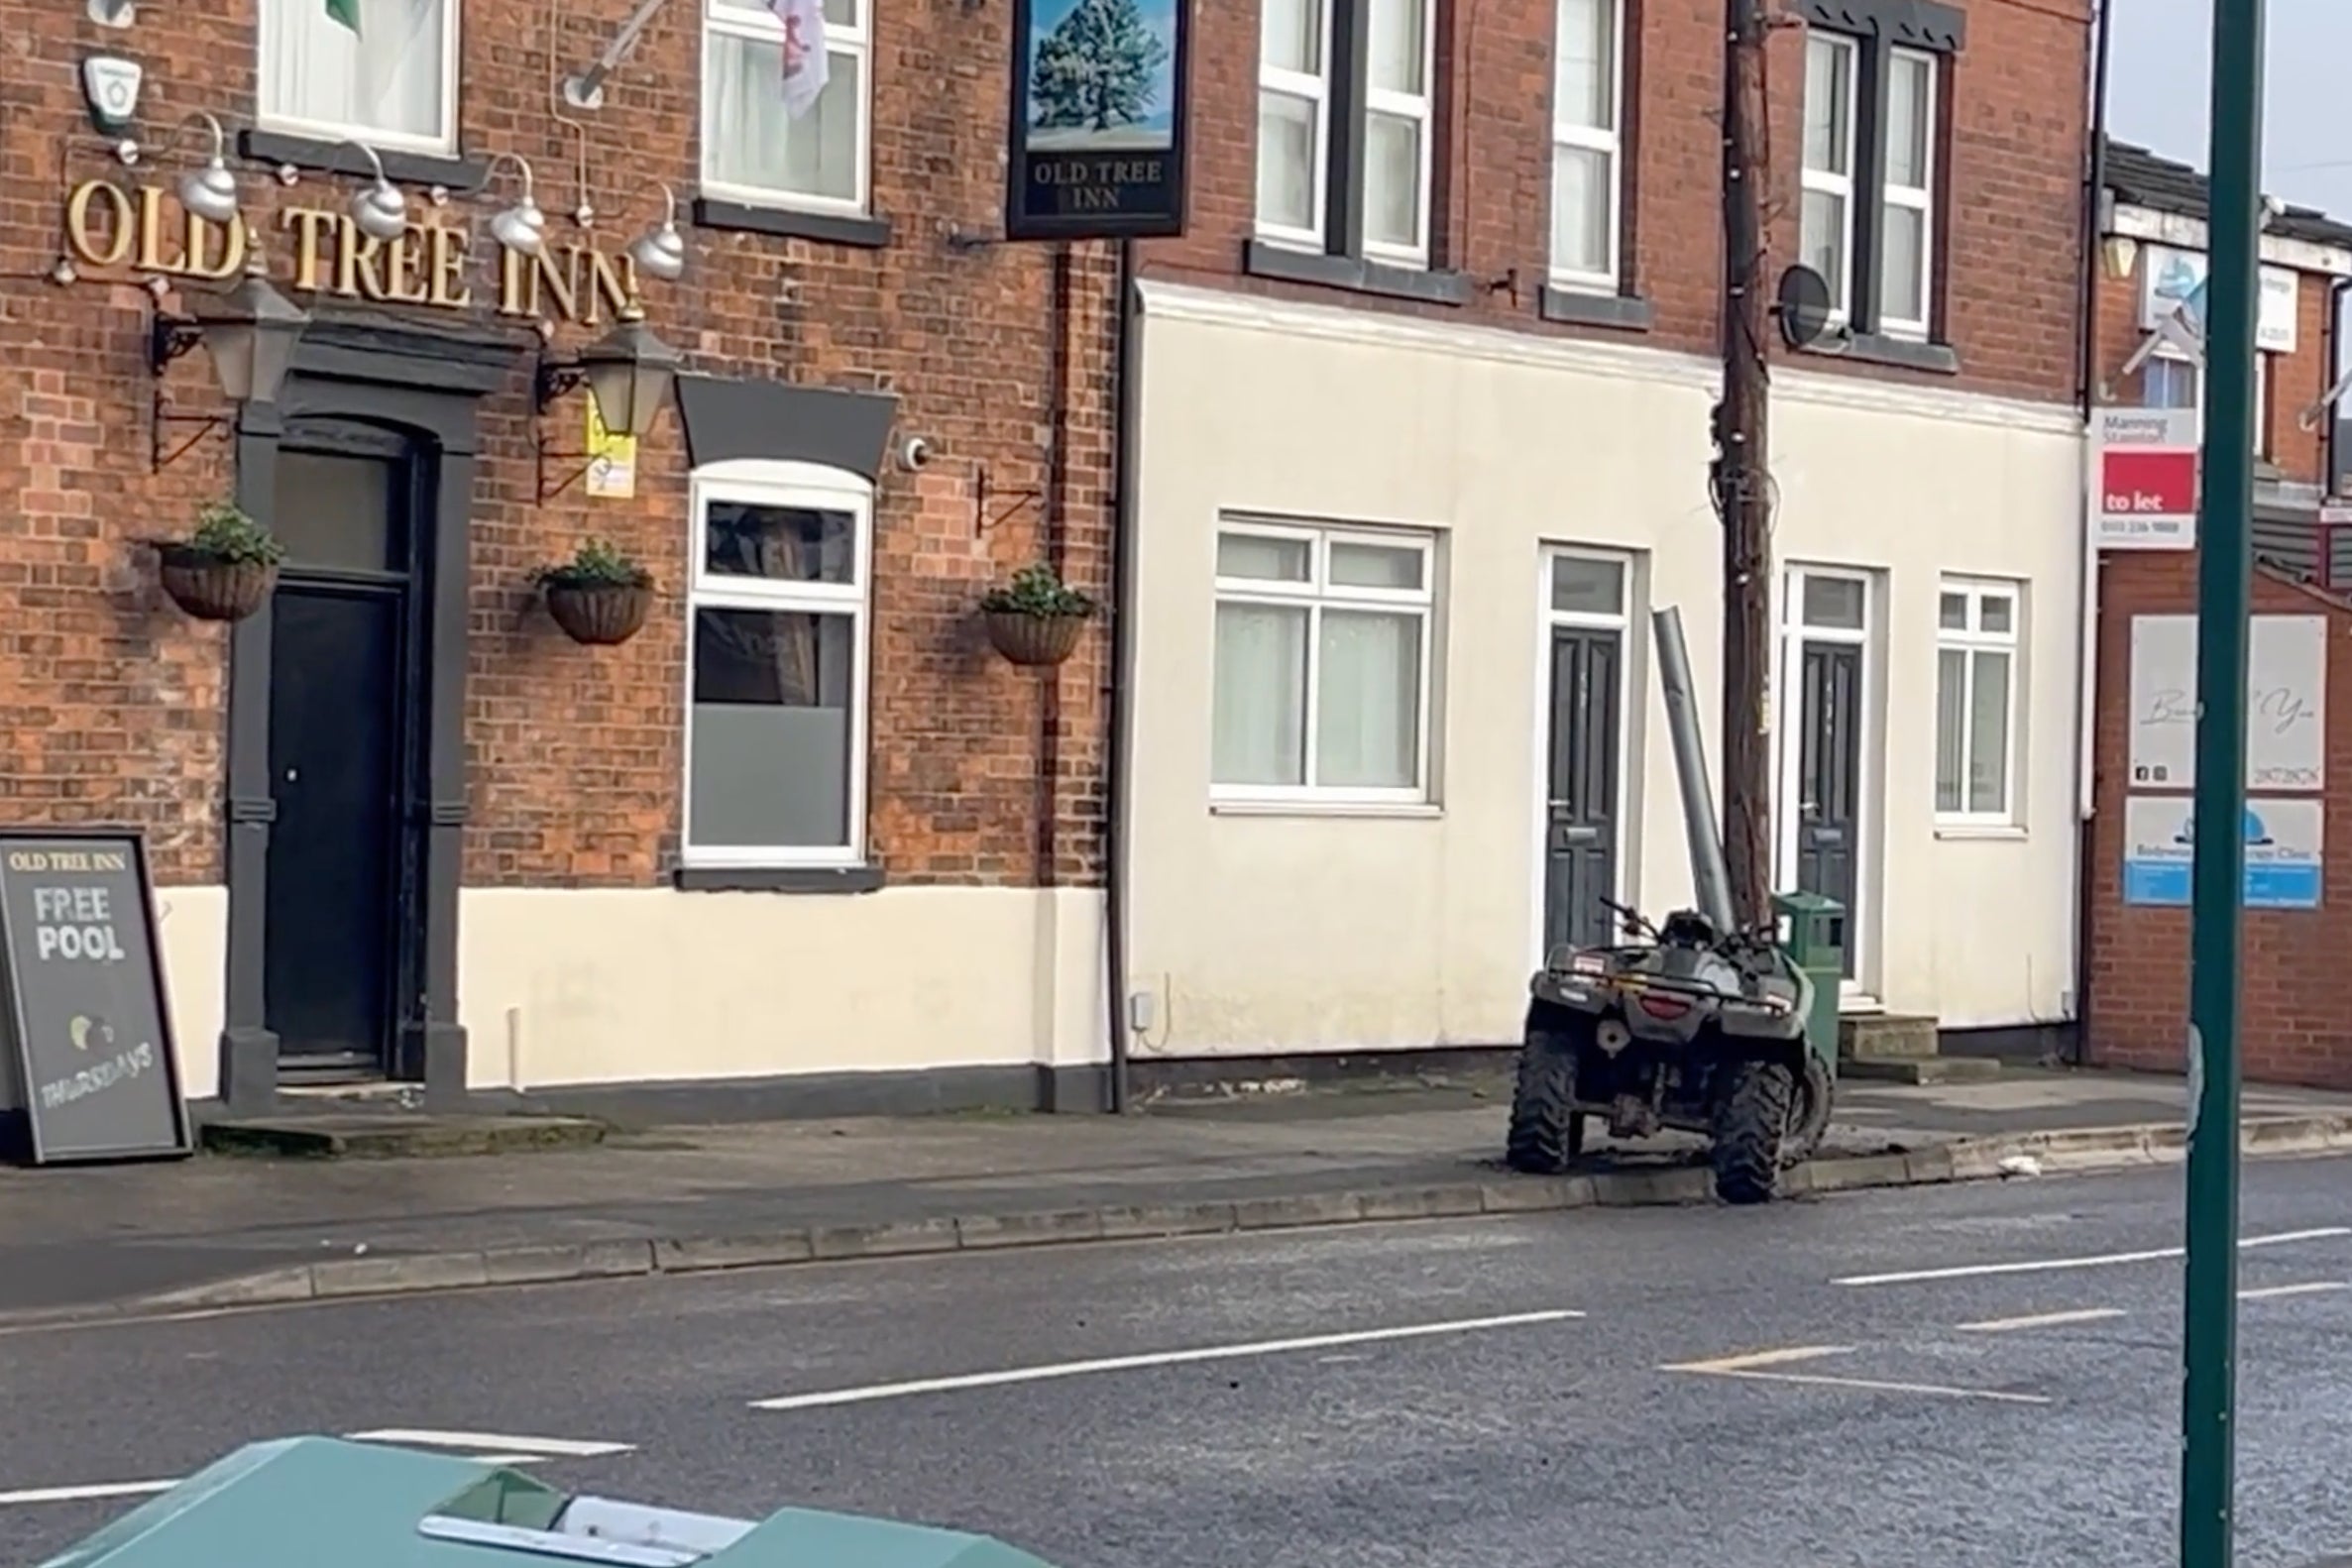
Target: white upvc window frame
x=1314 y=595
x=443 y=145
x=1968 y=641
x=1607 y=141
x=1317 y=90
x=1420 y=108
x=769 y=483
x=748 y=19
x=2166 y=355
x=1850 y=53
x=1915 y=198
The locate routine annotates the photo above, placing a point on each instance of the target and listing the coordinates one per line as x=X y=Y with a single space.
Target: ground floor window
x=1975 y=701
x=1322 y=663
x=778 y=598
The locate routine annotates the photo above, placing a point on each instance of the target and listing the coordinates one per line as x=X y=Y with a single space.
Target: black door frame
x=406 y=585
x=424 y=386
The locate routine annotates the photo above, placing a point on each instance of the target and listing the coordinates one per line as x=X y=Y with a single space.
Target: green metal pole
x=2224 y=591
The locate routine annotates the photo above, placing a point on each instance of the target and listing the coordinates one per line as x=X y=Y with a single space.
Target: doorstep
x=392 y=1134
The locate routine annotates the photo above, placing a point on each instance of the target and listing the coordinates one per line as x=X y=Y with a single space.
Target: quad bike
x=1687 y=1027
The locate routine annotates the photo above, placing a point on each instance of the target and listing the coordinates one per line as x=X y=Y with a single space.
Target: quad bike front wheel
x=1752 y=1124
x=1546 y=1131
x=1811 y=1118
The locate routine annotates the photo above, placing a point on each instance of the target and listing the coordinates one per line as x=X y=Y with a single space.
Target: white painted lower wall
x=565 y=987
x=579 y=987
x=1295 y=929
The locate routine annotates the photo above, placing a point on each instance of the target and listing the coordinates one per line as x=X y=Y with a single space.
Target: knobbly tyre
x=1688 y=1027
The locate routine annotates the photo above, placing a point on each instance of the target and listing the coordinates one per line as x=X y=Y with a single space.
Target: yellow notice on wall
x=612 y=459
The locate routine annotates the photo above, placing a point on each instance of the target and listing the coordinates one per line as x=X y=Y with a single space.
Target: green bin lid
x=303 y=1502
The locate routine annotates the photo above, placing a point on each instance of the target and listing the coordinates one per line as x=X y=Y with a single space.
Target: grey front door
x=1580 y=808
x=1829 y=777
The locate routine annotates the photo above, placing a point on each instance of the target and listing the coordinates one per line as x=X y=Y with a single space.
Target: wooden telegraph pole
x=1741 y=486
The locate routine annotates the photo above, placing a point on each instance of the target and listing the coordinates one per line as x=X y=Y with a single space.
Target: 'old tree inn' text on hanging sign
x=86 y=1009
x=432 y=265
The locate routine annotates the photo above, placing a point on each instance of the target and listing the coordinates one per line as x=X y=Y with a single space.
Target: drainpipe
x=1126 y=411
x=2087 y=689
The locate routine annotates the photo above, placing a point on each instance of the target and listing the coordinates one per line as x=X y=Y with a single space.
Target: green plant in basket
x=596 y=564
x=224 y=533
x=1038 y=591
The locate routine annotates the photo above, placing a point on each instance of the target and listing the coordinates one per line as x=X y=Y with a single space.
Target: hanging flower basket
x=225 y=570
x=1037 y=621
x=599 y=598
x=1033 y=640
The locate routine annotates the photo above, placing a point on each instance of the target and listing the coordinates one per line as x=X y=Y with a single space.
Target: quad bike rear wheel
x=1752 y=1127
x=1546 y=1131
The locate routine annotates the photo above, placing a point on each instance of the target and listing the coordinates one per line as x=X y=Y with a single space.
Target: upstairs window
x=1871 y=165
x=763 y=142
x=2172 y=379
x=378 y=72
x=1344 y=151
x=1587 y=72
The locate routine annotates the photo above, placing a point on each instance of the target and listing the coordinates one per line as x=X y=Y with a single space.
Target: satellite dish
x=1803 y=306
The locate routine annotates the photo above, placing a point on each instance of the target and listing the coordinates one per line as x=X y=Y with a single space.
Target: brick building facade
x=2136 y=981
x=552 y=924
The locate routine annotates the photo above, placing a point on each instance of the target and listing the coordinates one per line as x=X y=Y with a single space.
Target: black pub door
x=1580 y=809
x=342 y=737
x=1830 y=779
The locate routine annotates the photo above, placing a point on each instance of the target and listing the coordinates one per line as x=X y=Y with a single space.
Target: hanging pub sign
x=83 y=983
x=1096 y=134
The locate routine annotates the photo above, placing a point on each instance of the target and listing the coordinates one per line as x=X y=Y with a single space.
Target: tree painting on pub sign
x=1102 y=75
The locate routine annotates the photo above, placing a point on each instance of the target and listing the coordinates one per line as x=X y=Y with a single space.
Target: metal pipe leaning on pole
x=304 y=1502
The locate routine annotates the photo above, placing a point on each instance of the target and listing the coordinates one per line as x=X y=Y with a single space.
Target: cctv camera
x=2272 y=207
x=916 y=454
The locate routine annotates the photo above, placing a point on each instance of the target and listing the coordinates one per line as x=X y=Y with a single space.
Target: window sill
x=279 y=148
x=1400 y=810
x=1878 y=348
x=777 y=879
x=790 y=223
x=1962 y=832
x=1261 y=259
x=1592 y=308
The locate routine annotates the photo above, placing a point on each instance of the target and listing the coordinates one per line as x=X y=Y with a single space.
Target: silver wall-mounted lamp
x=660 y=252
x=209 y=191
x=379 y=208
x=522 y=227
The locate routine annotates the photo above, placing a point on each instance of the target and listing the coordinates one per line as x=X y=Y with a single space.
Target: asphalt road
x=2016 y=1409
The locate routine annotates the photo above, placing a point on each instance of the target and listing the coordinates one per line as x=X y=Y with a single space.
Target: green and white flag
x=346 y=12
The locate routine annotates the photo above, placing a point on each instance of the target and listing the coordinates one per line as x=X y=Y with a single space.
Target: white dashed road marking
x=2313 y=1288
x=1973 y=1271
x=1157 y=1358
x=485 y=1447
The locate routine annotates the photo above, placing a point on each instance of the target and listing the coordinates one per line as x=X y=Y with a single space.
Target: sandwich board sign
x=83 y=983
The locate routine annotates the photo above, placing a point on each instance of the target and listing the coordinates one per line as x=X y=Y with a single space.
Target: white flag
x=805 y=65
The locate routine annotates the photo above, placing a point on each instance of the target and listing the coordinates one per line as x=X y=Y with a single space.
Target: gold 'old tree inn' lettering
x=432 y=265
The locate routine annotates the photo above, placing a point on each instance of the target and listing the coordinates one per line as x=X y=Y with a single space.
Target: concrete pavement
x=1973 y=1375
x=678 y=1199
